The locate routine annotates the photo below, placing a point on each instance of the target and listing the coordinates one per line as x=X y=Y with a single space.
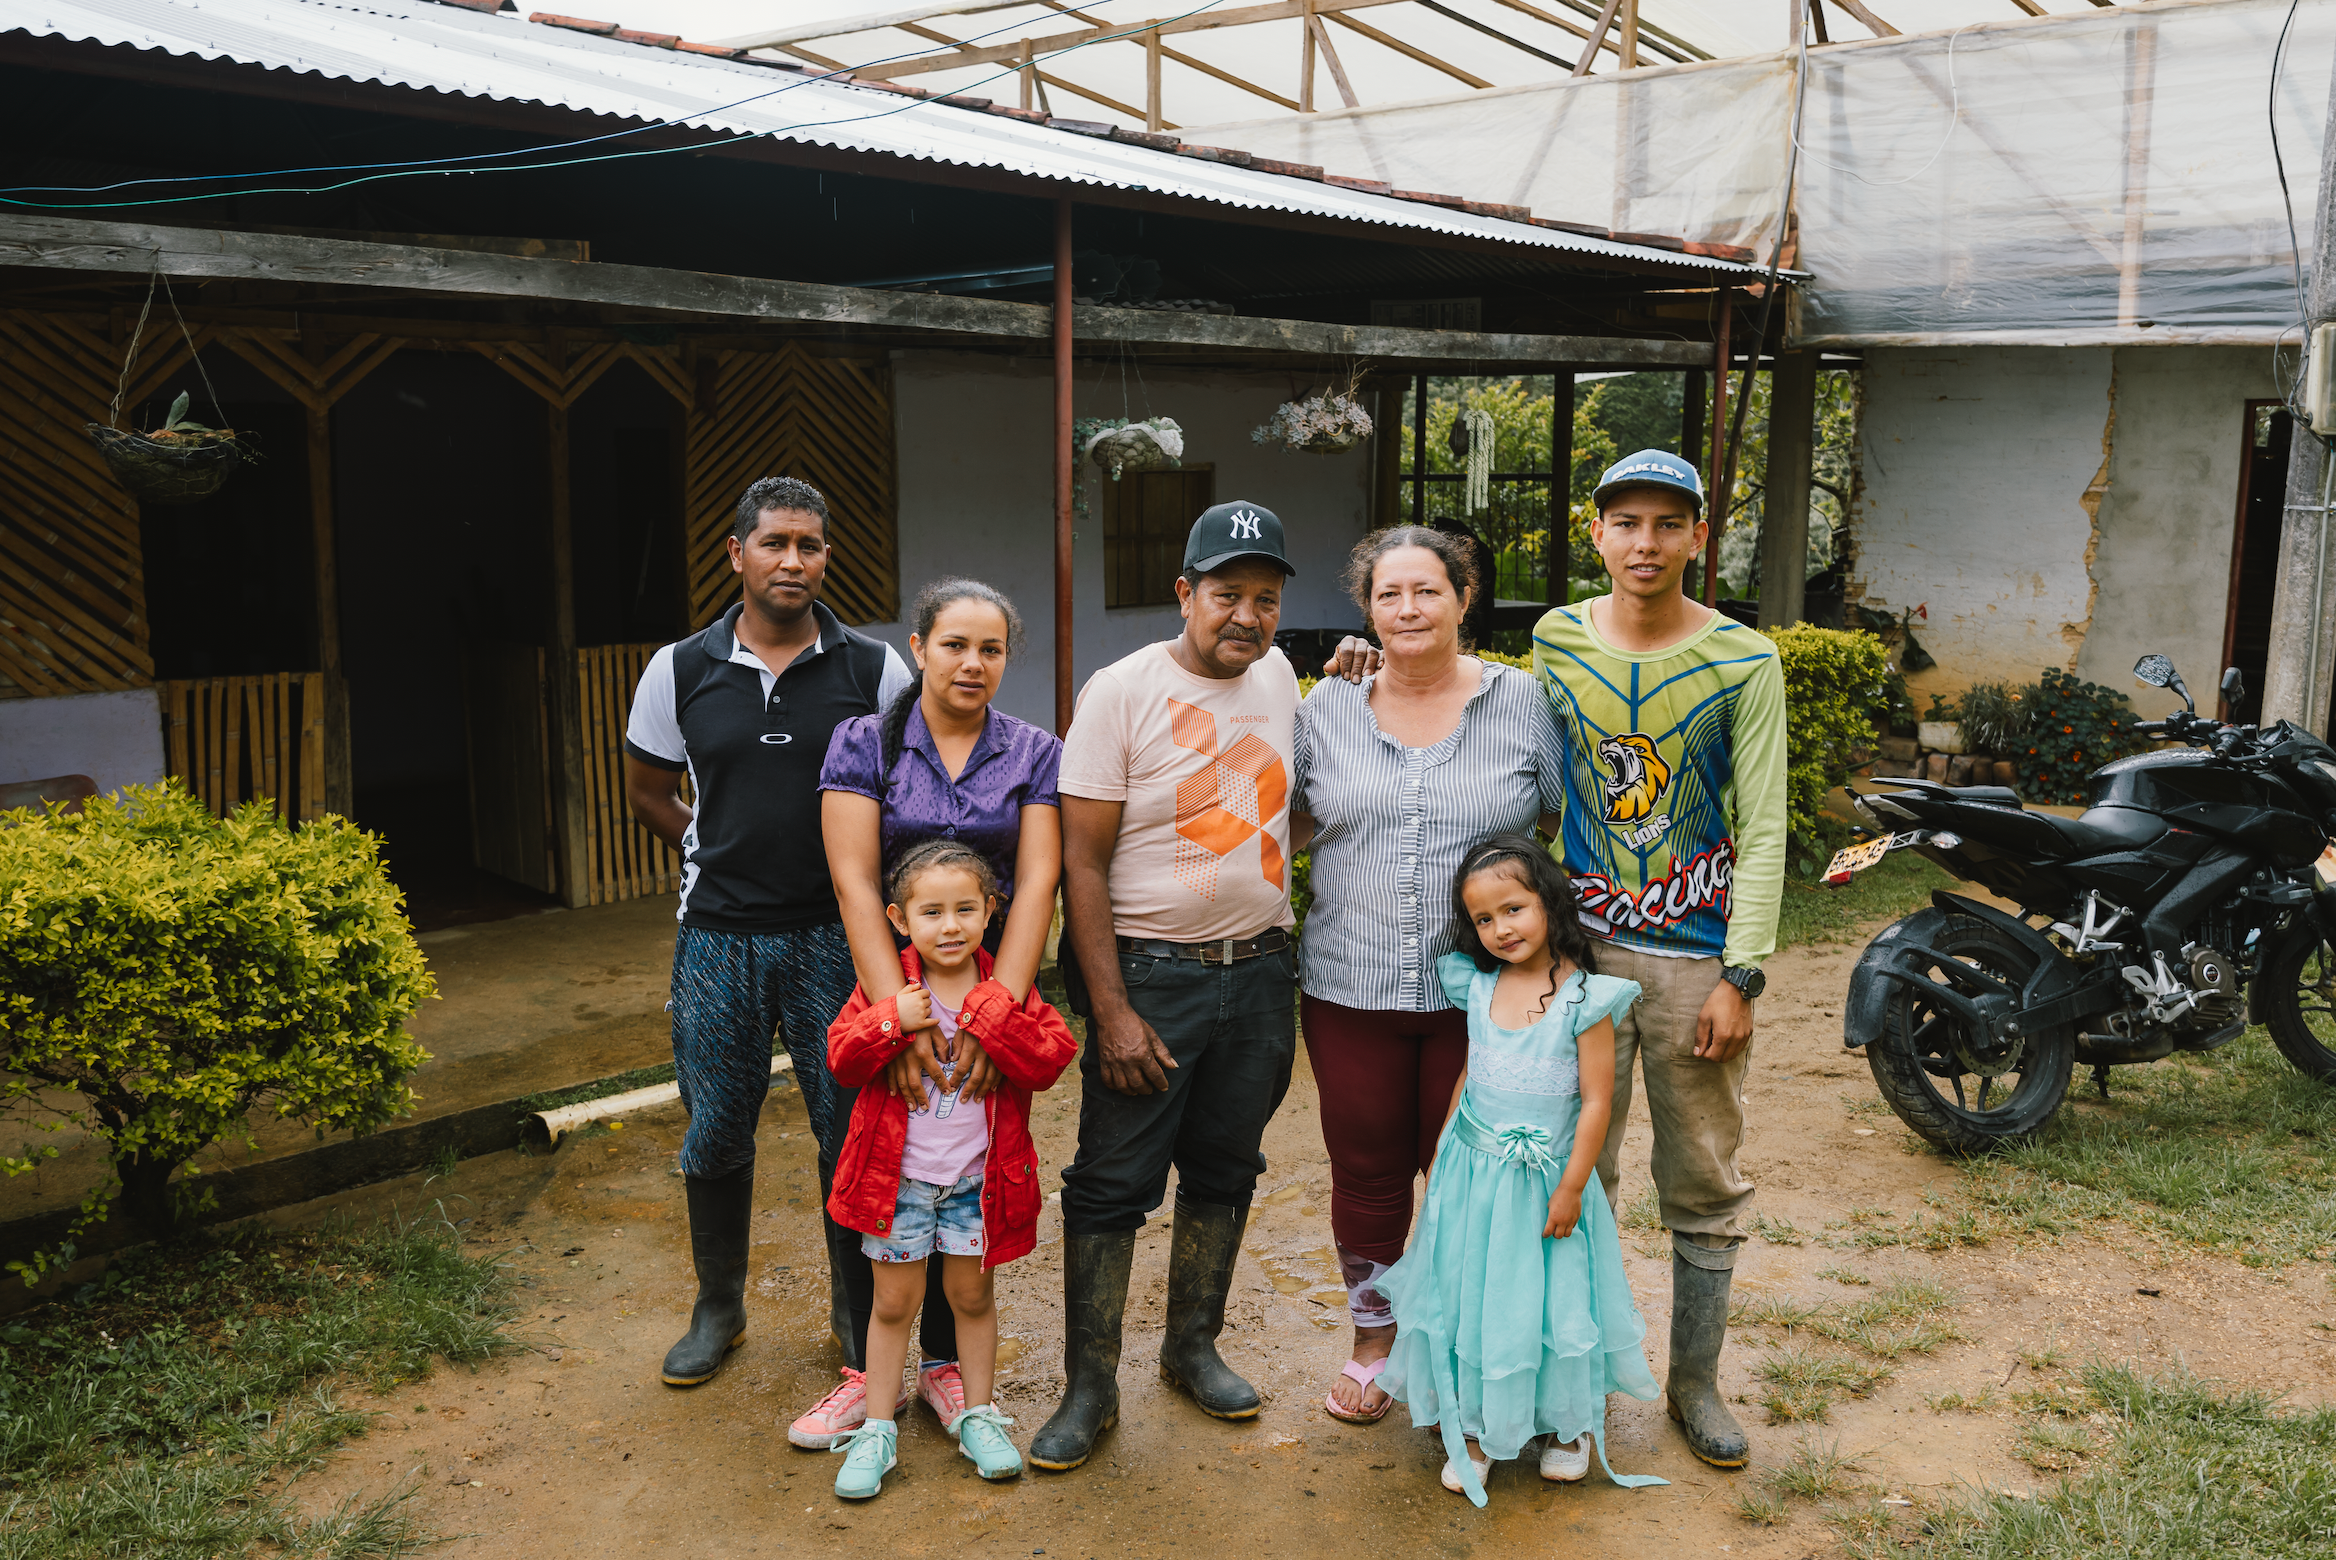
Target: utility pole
x=2301 y=672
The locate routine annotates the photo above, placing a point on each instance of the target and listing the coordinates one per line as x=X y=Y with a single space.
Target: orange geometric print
x=1231 y=799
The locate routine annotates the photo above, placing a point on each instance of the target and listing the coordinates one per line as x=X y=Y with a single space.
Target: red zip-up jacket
x=1030 y=1044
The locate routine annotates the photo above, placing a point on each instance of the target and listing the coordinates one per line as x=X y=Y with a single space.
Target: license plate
x=1850 y=861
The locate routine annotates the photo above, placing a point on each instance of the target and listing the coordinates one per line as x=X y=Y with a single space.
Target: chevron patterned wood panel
x=72 y=576
x=791 y=413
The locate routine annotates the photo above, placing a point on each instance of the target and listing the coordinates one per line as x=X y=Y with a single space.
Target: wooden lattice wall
x=72 y=580
x=793 y=413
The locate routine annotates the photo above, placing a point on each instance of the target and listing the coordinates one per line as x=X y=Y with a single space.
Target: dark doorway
x=230 y=581
x=2255 y=555
x=440 y=502
x=625 y=461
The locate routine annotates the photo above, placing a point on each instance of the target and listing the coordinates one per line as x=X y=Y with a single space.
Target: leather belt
x=1225 y=950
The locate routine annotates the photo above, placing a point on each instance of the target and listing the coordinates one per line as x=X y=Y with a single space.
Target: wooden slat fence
x=232 y=739
x=624 y=860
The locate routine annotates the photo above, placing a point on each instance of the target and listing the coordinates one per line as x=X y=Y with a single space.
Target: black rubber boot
x=1095 y=1269
x=1699 y=1325
x=851 y=1283
x=1200 y=1274
x=720 y=1211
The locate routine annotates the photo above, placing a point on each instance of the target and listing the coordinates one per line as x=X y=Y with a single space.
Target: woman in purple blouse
x=942 y=763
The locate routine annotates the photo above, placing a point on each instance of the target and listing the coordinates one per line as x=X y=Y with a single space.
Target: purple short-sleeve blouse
x=1013 y=765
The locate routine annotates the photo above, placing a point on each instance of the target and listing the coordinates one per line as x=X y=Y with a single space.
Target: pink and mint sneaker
x=841 y=1411
x=943 y=1389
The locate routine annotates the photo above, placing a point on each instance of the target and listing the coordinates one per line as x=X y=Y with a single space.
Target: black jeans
x=1233 y=1032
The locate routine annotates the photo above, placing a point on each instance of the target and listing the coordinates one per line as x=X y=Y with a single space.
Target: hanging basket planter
x=1324 y=423
x=1119 y=446
x=174 y=466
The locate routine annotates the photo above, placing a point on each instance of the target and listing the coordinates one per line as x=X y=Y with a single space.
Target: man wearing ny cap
x=1176 y=849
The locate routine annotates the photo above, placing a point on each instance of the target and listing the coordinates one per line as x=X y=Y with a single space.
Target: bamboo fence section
x=622 y=859
x=237 y=739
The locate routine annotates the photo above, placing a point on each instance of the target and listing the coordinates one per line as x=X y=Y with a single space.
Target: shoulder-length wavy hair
x=1522 y=857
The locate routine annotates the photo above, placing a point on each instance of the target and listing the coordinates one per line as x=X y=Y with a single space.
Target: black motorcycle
x=2196 y=895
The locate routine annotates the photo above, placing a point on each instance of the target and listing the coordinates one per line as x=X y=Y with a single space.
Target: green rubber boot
x=1095 y=1269
x=1699 y=1325
x=721 y=1208
x=1206 y=1244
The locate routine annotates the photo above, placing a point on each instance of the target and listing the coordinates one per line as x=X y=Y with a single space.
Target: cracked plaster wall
x=2065 y=507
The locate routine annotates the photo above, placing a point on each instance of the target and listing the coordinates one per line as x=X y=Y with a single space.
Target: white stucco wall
x=115 y=738
x=976 y=498
x=1975 y=464
x=2164 y=560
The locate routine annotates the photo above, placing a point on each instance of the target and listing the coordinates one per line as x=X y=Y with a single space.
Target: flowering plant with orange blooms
x=2076 y=727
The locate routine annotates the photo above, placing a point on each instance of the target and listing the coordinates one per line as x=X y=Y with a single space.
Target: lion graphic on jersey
x=1639 y=776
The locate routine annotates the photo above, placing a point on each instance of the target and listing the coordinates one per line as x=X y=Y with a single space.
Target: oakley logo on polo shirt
x=775 y=738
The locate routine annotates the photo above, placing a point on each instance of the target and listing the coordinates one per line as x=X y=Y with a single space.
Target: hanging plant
x=1117 y=445
x=179 y=463
x=1325 y=422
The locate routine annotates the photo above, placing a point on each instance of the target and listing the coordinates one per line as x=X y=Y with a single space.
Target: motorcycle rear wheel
x=1959 y=1091
x=2301 y=1003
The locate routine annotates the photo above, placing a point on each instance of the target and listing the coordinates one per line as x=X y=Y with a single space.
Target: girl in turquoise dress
x=1512 y=1315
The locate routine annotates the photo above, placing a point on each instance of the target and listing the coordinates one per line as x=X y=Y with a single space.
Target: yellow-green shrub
x=1836 y=694
x=163 y=973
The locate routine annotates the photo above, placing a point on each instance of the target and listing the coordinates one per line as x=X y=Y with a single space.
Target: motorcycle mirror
x=2234 y=686
x=2156 y=670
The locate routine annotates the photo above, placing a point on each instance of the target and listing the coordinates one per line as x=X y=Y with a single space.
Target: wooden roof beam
x=1471 y=22
x=1400 y=47
x=1186 y=60
x=1858 y=9
x=1589 y=9
x=1675 y=53
x=1598 y=38
x=1206 y=21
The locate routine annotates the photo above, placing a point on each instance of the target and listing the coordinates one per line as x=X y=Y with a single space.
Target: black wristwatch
x=1750 y=982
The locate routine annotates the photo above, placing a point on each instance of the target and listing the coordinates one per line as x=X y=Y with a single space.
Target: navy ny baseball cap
x=1650 y=468
x=1239 y=529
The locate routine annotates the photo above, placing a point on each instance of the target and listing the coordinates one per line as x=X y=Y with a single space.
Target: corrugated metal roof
x=442 y=48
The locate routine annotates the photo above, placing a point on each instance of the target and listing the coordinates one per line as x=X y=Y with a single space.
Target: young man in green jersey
x=1674 y=835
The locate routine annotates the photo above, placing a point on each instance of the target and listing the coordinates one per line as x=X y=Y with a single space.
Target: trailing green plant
x=164 y=973
x=1996 y=718
x=1836 y=694
x=2077 y=727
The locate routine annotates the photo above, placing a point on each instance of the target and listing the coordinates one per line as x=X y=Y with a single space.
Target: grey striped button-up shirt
x=1393 y=822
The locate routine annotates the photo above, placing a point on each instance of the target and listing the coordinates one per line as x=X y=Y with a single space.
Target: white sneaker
x=1451 y=1475
x=1564 y=1464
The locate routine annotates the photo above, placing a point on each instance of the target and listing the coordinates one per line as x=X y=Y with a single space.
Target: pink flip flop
x=1366 y=1375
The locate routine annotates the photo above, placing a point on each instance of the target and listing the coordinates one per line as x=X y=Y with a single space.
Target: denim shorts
x=929 y=1218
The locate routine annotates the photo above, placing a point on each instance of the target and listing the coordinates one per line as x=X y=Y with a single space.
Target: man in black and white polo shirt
x=746 y=707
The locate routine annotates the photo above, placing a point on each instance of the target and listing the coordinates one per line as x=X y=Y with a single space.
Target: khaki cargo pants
x=1697 y=1106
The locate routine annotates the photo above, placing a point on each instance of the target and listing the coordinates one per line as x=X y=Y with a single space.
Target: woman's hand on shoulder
x=1565 y=1211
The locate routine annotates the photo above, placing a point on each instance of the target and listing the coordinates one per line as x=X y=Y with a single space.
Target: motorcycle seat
x=2103 y=830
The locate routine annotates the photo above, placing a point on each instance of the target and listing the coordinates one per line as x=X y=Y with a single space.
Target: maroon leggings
x=1385 y=1081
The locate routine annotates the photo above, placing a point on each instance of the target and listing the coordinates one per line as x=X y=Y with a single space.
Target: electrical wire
x=377 y=172
x=1954 y=120
x=2295 y=246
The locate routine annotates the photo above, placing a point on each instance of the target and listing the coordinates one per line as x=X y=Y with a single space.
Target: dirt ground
x=574 y=1448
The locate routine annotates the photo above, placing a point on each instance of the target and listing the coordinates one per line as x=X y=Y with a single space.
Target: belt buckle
x=1228 y=951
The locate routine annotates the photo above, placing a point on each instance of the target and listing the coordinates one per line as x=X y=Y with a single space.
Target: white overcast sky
x=1267 y=53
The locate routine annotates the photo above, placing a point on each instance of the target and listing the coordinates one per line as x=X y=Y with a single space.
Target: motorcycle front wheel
x=1960 y=1089
x=2300 y=1002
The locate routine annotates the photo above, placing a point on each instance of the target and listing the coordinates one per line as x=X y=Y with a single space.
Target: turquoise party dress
x=1499 y=1333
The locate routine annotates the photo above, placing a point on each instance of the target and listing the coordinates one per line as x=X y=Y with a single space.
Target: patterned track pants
x=731 y=991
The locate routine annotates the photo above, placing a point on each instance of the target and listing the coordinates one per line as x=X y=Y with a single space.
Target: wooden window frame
x=1132 y=585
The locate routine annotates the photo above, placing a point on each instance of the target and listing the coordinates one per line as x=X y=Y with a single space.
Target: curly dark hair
x=1523 y=858
x=1457 y=557
x=777 y=493
x=922 y=614
x=931 y=855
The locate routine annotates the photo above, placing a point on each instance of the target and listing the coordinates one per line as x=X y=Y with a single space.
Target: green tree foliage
x=1517 y=525
x=1833 y=456
x=163 y=973
x=1836 y=693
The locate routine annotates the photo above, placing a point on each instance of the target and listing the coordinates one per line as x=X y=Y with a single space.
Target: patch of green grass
x=597 y=1089
x=1813 y=1472
x=1841 y=1275
x=1643 y=1212
x=1921 y=1233
x=1770 y=1311
x=2048 y=1355
x=1905 y=1318
x=1812 y=913
x=1777 y=1232
x=2049 y=1446
x=2187 y=1470
x=1978 y=1402
x=164 y=1410
x=1801 y=1385
x=1760 y=1508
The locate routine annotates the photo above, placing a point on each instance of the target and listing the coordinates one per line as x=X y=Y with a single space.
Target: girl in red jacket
x=955 y=1174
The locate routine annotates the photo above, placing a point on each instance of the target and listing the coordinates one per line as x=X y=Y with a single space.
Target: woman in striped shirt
x=1395 y=777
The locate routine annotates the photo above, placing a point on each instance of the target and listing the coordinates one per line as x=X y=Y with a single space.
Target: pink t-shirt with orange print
x=1202 y=766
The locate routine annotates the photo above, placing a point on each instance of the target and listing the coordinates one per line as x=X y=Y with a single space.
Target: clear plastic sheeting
x=2094 y=178
x=2102 y=179
x=1691 y=151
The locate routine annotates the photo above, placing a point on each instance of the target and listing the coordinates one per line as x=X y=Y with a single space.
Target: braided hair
x=944 y=592
x=1522 y=857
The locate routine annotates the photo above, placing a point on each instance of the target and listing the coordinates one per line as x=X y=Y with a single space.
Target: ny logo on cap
x=1245 y=527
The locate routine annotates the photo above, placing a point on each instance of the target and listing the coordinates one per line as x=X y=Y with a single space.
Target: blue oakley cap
x=1650 y=468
